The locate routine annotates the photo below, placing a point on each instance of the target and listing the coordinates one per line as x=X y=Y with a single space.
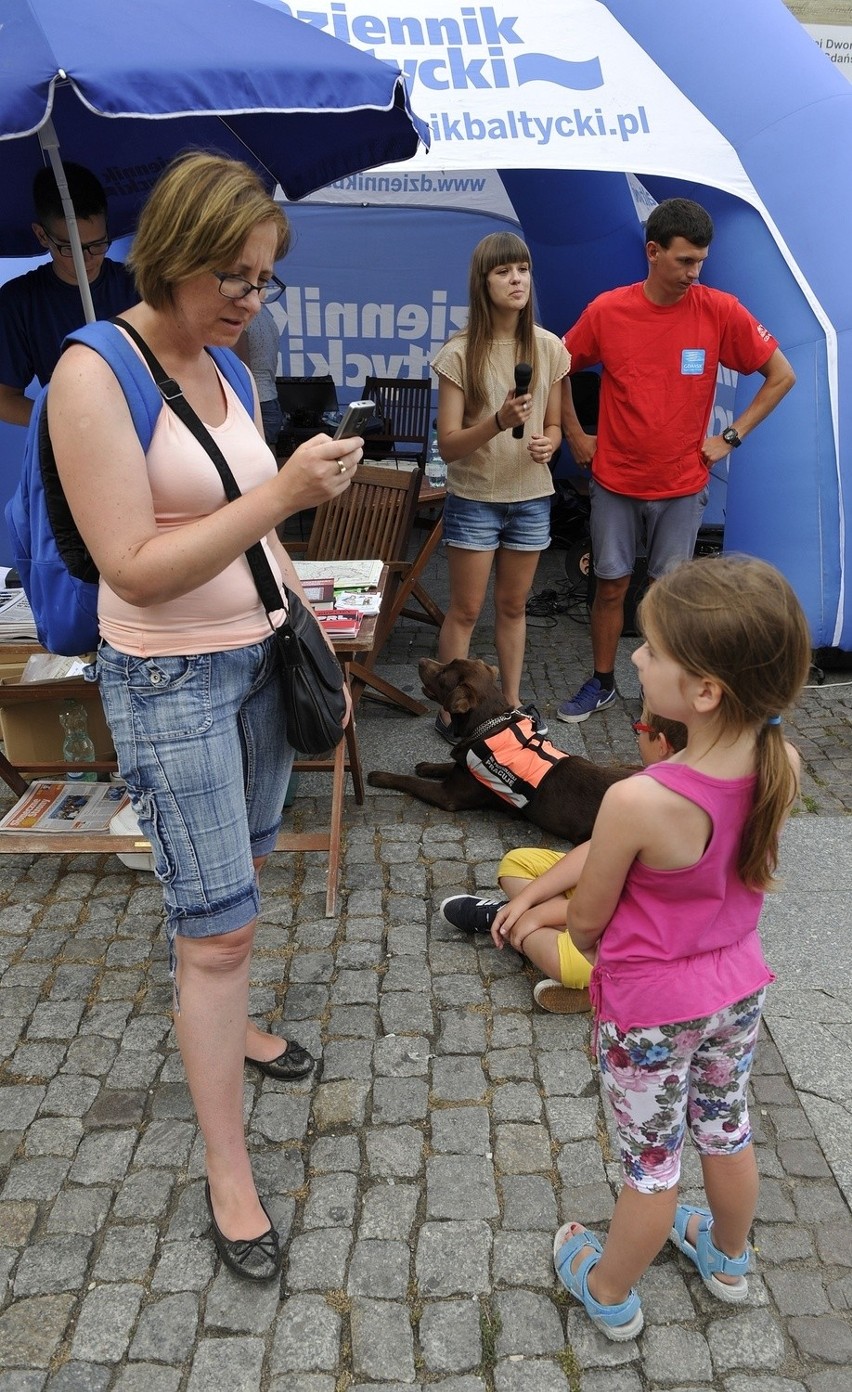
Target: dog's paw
x=377 y=779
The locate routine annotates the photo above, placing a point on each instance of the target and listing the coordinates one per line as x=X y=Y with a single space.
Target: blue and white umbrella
x=122 y=88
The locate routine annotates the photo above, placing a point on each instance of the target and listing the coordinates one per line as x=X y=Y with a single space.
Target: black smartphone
x=355 y=416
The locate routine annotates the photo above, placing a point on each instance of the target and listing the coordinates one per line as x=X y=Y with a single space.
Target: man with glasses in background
x=39 y=309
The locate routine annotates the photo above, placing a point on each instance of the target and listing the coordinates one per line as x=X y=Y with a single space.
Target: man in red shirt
x=660 y=342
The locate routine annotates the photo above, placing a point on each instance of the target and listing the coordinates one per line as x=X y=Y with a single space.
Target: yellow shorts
x=527 y=863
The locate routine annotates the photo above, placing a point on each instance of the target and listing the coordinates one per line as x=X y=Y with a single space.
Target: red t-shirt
x=659 y=381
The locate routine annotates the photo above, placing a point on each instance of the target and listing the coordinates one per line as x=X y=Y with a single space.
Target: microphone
x=523 y=377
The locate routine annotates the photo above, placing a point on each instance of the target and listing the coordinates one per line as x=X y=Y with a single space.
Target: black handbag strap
x=262 y=572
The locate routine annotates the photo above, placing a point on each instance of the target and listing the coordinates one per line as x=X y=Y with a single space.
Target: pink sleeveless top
x=684 y=943
x=225 y=612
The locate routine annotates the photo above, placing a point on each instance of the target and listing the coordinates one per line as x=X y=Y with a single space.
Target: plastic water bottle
x=77 y=747
x=436 y=469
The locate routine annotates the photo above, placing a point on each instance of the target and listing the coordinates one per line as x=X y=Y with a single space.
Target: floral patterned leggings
x=661 y=1079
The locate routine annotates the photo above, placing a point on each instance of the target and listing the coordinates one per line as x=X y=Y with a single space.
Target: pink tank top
x=684 y=943
x=226 y=612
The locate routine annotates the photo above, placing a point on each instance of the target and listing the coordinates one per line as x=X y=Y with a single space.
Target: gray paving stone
x=401 y=1057
x=30 y=1330
x=106 y=1318
x=399 y=1099
x=51 y=1265
x=450 y=1336
x=167 y=1330
x=827 y=1337
x=241 y=1307
x=307 y=1336
x=458 y=1079
x=533 y=1375
x=147 y=1377
x=331 y=1202
x=379 y=1269
x=461 y=1032
x=232 y=1363
x=461 y=1130
x=522 y=1149
x=529 y=1324
x=670 y=1354
x=317 y=1260
x=394 y=1151
x=79 y=1377
x=523 y=1259
x=453 y=1258
x=528 y=1202
x=460 y=1186
x=750 y=1340
x=388 y=1211
x=185 y=1265
x=382 y=1341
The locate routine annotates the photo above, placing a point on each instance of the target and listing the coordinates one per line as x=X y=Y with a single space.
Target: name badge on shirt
x=692 y=362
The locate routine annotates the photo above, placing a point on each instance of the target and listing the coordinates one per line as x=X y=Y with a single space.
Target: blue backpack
x=58 y=574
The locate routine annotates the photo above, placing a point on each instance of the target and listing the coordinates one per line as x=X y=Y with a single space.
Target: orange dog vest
x=512 y=761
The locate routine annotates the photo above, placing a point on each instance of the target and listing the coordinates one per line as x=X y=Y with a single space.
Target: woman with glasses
x=186 y=661
x=39 y=309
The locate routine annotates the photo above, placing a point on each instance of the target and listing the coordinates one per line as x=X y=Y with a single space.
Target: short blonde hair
x=197 y=218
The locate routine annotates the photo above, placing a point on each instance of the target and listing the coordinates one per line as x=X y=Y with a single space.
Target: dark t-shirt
x=38 y=310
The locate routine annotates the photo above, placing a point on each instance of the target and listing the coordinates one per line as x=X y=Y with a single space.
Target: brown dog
x=559 y=792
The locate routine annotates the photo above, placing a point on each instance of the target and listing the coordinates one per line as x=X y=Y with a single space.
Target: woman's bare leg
x=514 y=575
x=213 y=982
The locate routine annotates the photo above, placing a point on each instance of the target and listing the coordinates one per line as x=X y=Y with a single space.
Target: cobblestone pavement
x=419 y=1181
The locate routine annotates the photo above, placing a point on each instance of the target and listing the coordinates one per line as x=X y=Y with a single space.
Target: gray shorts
x=665 y=528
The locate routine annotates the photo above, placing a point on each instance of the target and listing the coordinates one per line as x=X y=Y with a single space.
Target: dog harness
x=513 y=760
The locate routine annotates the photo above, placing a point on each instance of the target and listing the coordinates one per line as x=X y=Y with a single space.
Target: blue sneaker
x=590 y=698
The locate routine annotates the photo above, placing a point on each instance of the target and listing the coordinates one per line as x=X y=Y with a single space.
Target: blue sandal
x=707 y=1258
x=617 y=1322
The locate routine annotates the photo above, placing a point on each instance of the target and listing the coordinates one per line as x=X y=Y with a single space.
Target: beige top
x=503 y=471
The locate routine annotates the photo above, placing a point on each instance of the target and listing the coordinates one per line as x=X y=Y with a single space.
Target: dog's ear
x=462 y=699
x=495 y=673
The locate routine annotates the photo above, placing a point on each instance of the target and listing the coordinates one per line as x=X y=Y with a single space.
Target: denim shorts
x=665 y=527
x=476 y=526
x=201 y=745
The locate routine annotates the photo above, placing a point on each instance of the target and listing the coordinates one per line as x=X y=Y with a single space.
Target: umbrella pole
x=50 y=145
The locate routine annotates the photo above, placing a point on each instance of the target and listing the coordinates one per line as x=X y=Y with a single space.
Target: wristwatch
x=731 y=437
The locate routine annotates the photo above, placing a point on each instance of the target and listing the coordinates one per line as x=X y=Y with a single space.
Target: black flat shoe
x=295 y=1062
x=255 y=1258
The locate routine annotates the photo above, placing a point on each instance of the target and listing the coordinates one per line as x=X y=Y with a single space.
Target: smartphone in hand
x=355 y=417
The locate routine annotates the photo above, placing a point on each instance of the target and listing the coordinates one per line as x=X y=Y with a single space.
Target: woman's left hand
x=541 y=449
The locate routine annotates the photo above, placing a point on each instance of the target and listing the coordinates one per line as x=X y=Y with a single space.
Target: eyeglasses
x=98 y=248
x=235 y=288
x=640 y=728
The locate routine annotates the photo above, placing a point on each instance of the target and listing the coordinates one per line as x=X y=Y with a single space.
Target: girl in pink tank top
x=666 y=910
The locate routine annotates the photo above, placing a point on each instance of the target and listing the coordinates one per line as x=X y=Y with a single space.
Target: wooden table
x=346 y=758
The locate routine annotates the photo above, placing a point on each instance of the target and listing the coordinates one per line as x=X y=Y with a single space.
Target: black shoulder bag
x=311 y=676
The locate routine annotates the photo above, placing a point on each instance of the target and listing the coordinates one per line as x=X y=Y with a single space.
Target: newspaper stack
x=16 y=617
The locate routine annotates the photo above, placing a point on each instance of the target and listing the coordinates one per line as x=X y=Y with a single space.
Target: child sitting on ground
x=537 y=883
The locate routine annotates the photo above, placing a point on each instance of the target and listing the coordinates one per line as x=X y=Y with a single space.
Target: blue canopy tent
x=123 y=89
x=584 y=108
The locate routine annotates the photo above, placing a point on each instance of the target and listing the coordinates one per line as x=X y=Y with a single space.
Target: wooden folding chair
x=406 y=408
x=373 y=519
